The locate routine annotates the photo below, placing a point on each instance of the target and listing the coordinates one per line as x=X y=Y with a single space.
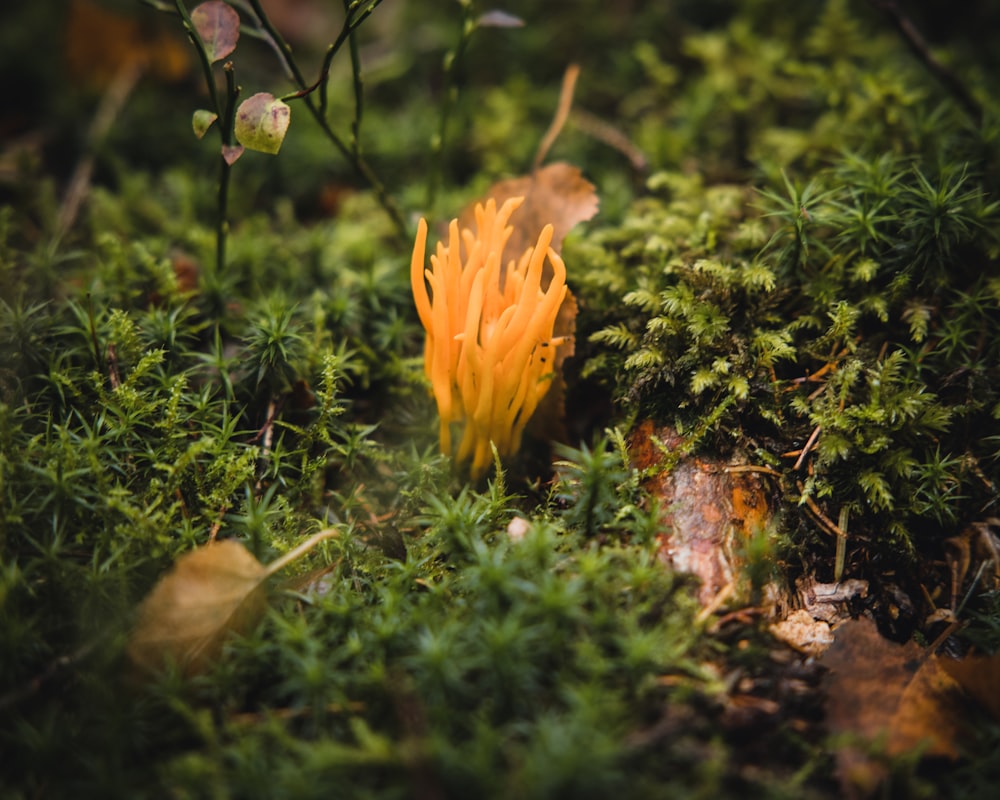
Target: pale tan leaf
x=209 y=593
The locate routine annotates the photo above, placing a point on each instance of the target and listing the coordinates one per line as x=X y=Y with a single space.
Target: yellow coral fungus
x=490 y=351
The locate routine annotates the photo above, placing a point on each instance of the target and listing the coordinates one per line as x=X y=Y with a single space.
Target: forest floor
x=304 y=492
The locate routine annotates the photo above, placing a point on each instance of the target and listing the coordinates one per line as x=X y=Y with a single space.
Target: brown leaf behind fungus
x=979 y=676
x=560 y=196
x=210 y=592
x=557 y=194
x=898 y=694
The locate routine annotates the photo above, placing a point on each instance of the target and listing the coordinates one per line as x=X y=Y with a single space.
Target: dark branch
x=920 y=48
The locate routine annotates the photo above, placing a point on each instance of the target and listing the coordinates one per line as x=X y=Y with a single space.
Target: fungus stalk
x=490 y=352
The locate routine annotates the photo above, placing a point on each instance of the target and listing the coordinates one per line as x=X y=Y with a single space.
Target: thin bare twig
x=716 y=602
x=809 y=446
x=562 y=114
x=112 y=102
x=603 y=131
x=753 y=468
x=824 y=521
x=918 y=45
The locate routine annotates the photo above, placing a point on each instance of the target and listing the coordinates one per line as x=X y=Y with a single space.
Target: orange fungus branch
x=490 y=351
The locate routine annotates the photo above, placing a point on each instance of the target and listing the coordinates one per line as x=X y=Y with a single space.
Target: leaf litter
x=212 y=592
x=892 y=700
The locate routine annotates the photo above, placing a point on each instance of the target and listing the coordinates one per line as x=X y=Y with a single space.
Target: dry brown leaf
x=210 y=592
x=557 y=194
x=878 y=690
x=979 y=676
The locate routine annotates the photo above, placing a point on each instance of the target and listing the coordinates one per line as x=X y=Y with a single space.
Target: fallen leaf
x=210 y=592
x=979 y=677
x=213 y=591
x=100 y=43
x=899 y=694
x=556 y=194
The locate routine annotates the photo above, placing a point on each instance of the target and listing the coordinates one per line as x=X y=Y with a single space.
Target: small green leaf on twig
x=261 y=122
x=231 y=152
x=202 y=120
x=218 y=26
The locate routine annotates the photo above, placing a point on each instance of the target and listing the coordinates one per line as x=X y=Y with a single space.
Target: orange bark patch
x=709 y=509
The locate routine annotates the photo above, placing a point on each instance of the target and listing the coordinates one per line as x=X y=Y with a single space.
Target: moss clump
x=857 y=304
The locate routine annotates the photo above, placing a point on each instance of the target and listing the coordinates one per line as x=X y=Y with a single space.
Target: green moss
x=878 y=266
